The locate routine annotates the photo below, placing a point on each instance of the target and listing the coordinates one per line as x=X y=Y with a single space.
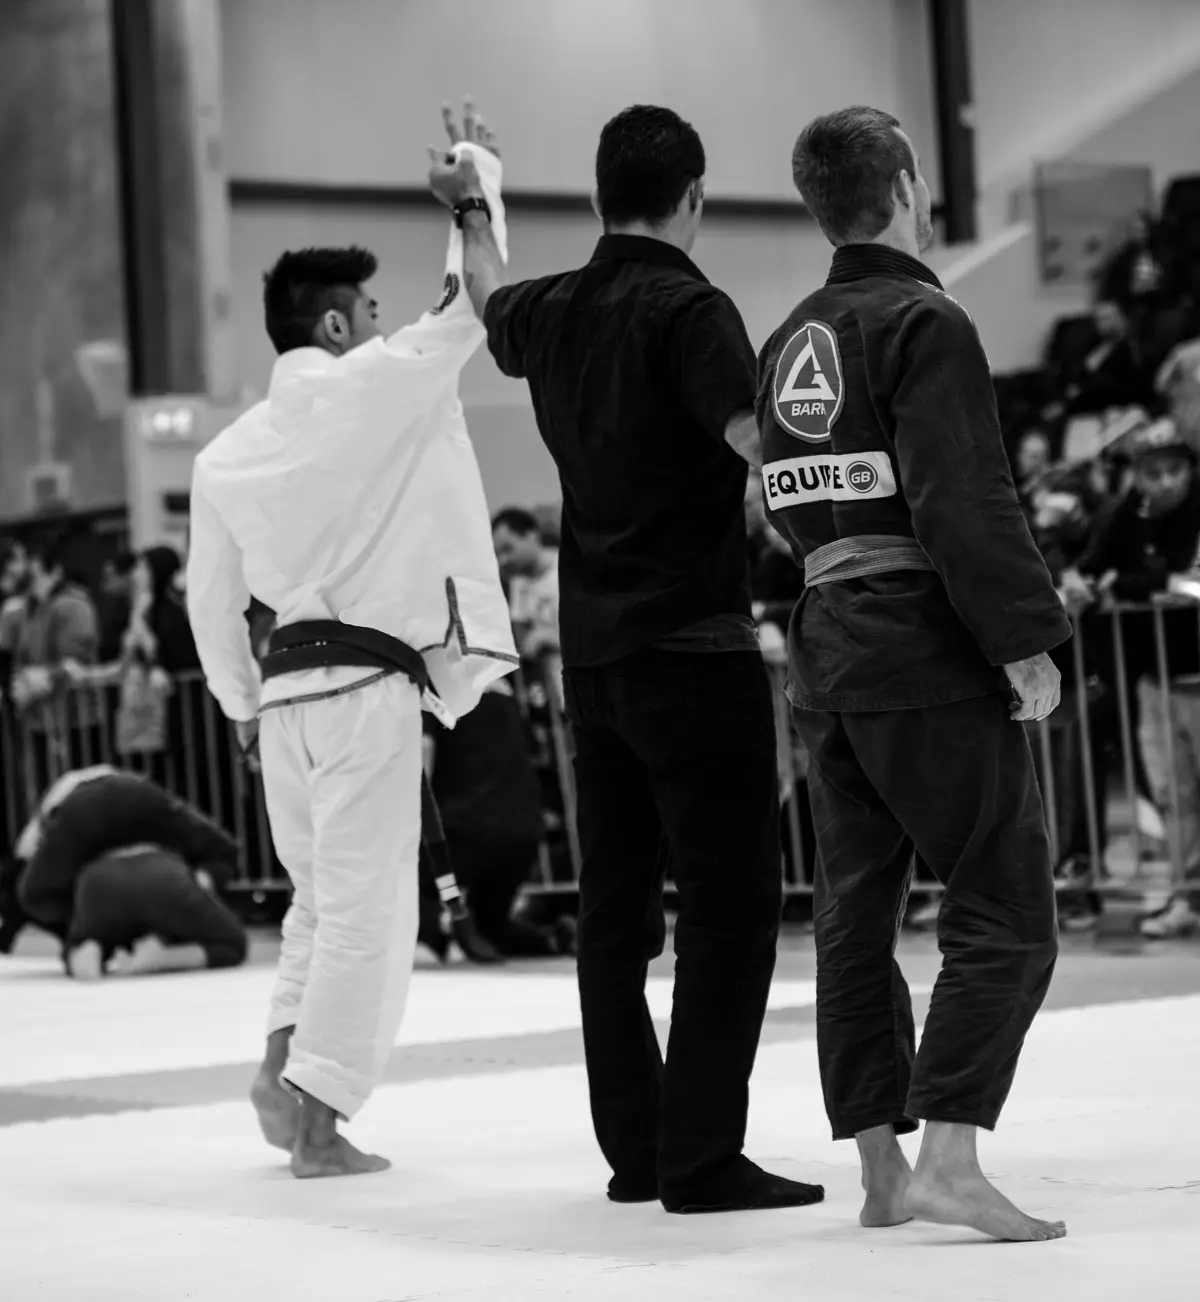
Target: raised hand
x=453 y=181
x=473 y=130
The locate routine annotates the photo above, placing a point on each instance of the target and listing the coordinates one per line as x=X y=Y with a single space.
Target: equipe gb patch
x=809 y=388
x=834 y=477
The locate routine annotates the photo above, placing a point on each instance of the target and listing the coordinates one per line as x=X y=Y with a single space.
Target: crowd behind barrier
x=1088 y=769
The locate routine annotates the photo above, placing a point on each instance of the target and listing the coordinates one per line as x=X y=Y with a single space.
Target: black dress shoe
x=633 y=1189
x=742 y=1188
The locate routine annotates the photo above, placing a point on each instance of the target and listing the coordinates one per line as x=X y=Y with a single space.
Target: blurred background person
x=485 y=786
x=529 y=568
x=1152 y=534
x=114 y=603
x=59 y=627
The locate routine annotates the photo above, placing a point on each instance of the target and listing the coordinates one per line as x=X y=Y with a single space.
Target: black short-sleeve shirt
x=636 y=364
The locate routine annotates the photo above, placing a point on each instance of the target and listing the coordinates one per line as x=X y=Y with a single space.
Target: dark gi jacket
x=878 y=416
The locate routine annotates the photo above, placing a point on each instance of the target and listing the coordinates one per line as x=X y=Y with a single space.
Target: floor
x=133 y=1168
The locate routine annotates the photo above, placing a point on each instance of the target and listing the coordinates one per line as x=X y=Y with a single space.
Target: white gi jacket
x=353 y=493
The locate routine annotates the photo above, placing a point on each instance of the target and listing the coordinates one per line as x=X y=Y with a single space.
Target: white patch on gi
x=809 y=388
x=833 y=477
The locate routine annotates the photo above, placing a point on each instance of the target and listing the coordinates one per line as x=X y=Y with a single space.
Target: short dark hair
x=303 y=285
x=845 y=166
x=49 y=548
x=646 y=160
x=517 y=520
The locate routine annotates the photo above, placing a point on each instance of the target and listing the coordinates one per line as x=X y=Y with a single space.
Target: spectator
x=482 y=777
x=1150 y=536
x=14 y=591
x=530 y=569
x=114 y=603
x=60 y=628
x=1031 y=462
x=155 y=647
x=1114 y=373
x=1134 y=272
x=158 y=615
x=1178 y=382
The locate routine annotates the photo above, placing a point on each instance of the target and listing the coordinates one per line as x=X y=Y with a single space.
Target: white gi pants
x=342 y=778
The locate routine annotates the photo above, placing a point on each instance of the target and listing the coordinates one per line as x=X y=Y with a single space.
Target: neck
x=668 y=234
x=900 y=240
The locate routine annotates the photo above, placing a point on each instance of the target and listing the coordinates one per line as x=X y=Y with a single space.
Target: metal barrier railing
x=1116 y=746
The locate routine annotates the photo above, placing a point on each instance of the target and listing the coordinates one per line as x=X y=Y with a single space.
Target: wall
x=349 y=91
x=1049 y=73
x=60 y=270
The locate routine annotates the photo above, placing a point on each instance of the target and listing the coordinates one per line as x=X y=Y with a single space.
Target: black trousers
x=675 y=764
x=956 y=782
x=119 y=899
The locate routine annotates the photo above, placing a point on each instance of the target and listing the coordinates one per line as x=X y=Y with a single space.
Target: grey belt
x=867 y=553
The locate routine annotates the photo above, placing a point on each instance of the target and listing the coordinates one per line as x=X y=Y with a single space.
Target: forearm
x=230 y=669
x=483 y=265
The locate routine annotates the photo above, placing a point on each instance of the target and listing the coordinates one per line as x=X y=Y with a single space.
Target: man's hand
x=247 y=735
x=1038 y=687
x=450 y=181
x=474 y=130
x=1077 y=592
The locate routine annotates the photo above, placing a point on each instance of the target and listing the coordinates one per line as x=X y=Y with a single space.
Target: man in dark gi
x=916 y=651
x=642 y=379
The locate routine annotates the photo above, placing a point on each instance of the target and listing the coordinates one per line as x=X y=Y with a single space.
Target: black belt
x=329 y=644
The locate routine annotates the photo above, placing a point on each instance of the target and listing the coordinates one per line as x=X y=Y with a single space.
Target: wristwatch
x=470 y=205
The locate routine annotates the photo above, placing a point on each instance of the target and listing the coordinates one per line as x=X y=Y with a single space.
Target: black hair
x=517 y=520
x=646 y=160
x=845 y=166
x=49 y=549
x=302 y=286
x=164 y=564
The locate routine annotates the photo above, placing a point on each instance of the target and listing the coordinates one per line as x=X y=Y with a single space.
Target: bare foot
x=339 y=1157
x=971 y=1200
x=86 y=962
x=886 y=1191
x=278 y=1111
x=885 y=1180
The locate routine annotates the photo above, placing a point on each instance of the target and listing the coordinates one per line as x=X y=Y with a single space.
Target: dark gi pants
x=956 y=782
x=119 y=899
x=675 y=762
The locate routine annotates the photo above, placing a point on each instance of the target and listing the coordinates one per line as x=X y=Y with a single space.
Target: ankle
x=947 y=1150
x=880 y=1147
x=279 y=1045
x=318 y=1123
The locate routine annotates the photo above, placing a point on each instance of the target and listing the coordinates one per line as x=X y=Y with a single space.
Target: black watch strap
x=470 y=205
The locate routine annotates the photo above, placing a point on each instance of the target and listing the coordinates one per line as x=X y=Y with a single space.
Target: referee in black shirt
x=643 y=381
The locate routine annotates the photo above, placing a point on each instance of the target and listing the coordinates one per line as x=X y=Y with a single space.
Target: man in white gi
x=350 y=503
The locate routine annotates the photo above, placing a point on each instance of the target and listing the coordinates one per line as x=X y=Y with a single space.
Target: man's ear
x=333 y=332
x=596 y=203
